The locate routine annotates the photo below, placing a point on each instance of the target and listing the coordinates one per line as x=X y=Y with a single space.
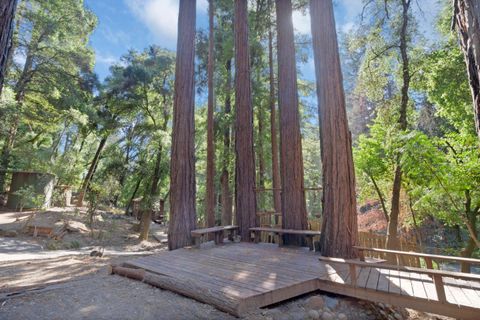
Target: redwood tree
x=294 y=213
x=339 y=227
x=245 y=199
x=182 y=165
x=7 y=14
x=466 y=19
x=277 y=200
x=210 y=192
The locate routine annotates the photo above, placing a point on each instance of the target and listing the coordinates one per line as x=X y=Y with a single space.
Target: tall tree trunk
x=146 y=218
x=277 y=200
x=7 y=14
x=226 y=197
x=339 y=227
x=466 y=19
x=210 y=187
x=294 y=212
x=261 y=137
x=182 y=165
x=91 y=171
x=245 y=198
x=135 y=190
x=392 y=233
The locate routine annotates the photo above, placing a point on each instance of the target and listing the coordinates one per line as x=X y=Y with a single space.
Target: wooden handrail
x=420 y=255
x=443 y=273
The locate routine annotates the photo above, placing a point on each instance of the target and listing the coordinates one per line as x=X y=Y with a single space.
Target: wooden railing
x=428 y=258
x=436 y=275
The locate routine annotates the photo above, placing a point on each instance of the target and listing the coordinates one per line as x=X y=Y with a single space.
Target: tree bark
x=339 y=227
x=277 y=200
x=210 y=187
x=245 y=198
x=226 y=198
x=7 y=14
x=392 y=233
x=91 y=171
x=466 y=19
x=182 y=165
x=135 y=190
x=147 y=213
x=294 y=212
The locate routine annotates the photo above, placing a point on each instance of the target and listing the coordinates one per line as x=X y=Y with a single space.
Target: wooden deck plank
x=241 y=272
x=461 y=294
x=373 y=277
x=383 y=281
x=394 y=285
x=406 y=283
x=362 y=277
x=418 y=286
x=210 y=275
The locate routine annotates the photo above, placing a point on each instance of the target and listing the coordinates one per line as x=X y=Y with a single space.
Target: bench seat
x=308 y=234
x=198 y=234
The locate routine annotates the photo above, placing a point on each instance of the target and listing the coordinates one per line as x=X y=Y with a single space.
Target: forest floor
x=41 y=280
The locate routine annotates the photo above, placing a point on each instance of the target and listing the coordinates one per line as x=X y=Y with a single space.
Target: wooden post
x=361 y=255
x=257 y=236
x=428 y=262
x=280 y=239
x=197 y=242
x=438 y=281
x=353 y=275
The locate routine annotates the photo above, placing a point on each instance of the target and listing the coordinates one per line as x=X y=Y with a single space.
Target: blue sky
x=135 y=24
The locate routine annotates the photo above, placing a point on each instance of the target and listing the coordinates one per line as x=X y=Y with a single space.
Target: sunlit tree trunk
x=392 y=232
x=7 y=14
x=294 y=213
x=339 y=227
x=182 y=166
x=210 y=187
x=466 y=18
x=226 y=197
x=245 y=198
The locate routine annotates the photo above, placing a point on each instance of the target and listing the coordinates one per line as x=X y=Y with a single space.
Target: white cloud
x=161 y=16
x=106 y=59
x=301 y=22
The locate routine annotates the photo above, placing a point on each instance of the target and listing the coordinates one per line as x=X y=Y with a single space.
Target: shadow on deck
x=237 y=278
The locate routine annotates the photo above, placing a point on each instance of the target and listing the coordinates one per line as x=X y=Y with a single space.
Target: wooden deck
x=239 y=277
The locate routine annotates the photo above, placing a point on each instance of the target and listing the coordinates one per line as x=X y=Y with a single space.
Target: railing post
x=353 y=275
x=438 y=281
x=429 y=263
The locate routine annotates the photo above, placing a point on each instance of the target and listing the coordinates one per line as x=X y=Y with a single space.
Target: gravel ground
x=106 y=297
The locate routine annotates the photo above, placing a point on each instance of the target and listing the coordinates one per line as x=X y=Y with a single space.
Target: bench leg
x=231 y=235
x=257 y=236
x=220 y=237
x=280 y=239
x=310 y=242
x=197 y=241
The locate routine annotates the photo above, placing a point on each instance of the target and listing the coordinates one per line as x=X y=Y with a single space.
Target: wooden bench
x=198 y=234
x=429 y=258
x=308 y=234
x=436 y=275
